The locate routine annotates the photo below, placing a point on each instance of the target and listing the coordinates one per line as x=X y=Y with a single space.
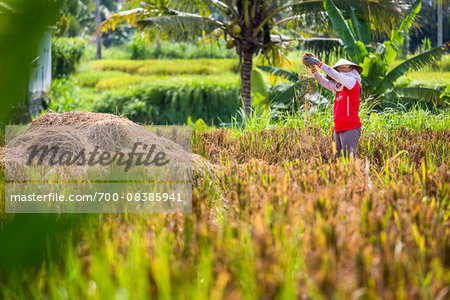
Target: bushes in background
x=142 y=49
x=66 y=53
x=138 y=49
x=173 y=101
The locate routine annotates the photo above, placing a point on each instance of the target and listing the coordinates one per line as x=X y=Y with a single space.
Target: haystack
x=85 y=130
x=81 y=118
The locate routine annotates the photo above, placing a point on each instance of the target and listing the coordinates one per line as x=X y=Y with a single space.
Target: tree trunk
x=439 y=24
x=246 y=72
x=97 y=25
x=158 y=48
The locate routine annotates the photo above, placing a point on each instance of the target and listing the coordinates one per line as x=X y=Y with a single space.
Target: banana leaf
x=291 y=76
x=356 y=50
x=414 y=63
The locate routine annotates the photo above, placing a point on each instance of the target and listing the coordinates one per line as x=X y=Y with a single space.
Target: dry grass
x=80 y=118
x=281 y=219
x=278 y=145
x=77 y=130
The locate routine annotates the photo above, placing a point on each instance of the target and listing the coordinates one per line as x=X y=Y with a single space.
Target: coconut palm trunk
x=250 y=26
x=440 y=30
x=97 y=25
x=246 y=72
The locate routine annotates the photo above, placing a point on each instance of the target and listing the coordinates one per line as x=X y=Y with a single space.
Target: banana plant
x=249 y=26
x=297 y=88
x=377 y=78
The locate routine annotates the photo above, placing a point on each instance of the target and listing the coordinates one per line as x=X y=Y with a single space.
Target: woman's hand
x=310 y=60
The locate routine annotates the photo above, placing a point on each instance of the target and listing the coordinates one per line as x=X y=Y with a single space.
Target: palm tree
x=97 y=24
x=250 y=26
x=440 y=27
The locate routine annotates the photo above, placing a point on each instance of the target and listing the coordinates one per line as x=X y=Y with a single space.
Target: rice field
x=279 y=218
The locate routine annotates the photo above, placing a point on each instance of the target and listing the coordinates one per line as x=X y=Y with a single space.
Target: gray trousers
x=347 y=141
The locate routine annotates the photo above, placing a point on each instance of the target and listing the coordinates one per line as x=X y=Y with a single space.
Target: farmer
x=344 y=79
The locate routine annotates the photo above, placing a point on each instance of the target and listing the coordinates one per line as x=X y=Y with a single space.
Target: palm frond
x=381 y=14
x=291 y=76
x=410 y=15
x=414 y=63
x=360 y=26
x=422 y=93
x=131 y=16
x=286 y=92
x=322 y=47
x=397 y=36
x=276 y=7
x=306 y=14
x=180 y=27
x=202 y=7
x=342 y=28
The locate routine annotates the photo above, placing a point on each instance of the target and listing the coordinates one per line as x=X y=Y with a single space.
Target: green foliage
x=172 y=100
x=91 y=78
x=138 y=47
x=66 y=53
x=152 y=91
x=167 y=67
x=290 y=93
x=325 y=48
x=112 y=52
x=414 y=63
x=141 y=48
x=378 y=79
x=23 y=24
x=260 y=95
x=63 y=95
x=431 y=79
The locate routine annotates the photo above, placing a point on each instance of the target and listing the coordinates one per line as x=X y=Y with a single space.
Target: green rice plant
x=176 y=66
x=119 y=82
x=91 y=78
x=172 y=99
x=442 y=65
x=428 y=79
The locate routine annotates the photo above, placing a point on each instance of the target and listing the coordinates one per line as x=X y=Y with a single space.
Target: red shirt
x=346 y=108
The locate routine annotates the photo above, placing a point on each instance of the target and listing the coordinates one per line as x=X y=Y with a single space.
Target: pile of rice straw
x=75 y=130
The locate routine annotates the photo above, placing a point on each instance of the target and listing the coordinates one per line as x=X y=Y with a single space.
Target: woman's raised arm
x=348 y=82
x=328 y=84
x=312 y=61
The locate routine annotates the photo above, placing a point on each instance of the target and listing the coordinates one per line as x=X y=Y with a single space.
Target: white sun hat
x=344 y=62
